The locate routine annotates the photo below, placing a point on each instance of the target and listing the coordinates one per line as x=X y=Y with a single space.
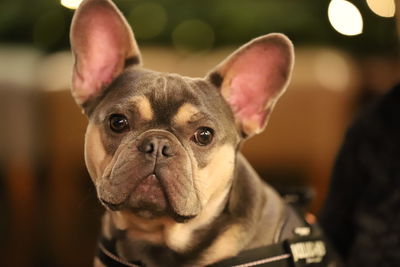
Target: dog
x=163 y=151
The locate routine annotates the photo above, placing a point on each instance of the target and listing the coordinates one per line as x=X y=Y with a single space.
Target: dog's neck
x=221 y=230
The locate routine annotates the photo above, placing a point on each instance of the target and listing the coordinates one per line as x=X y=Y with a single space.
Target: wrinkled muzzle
x=152 y=176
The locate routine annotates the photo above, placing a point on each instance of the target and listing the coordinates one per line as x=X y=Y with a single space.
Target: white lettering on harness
x=310 y=251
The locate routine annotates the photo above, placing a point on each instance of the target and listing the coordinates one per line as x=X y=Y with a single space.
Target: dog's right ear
x=253 y=78
x=103 y=45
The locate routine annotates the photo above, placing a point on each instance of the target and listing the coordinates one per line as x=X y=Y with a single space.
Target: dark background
x=45 y=23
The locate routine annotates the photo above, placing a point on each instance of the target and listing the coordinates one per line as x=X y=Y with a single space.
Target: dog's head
x=160 y=144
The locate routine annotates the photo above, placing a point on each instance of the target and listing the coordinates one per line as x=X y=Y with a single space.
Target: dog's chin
x=148 y=200
x=152 y=215
x=148 y=212
x=149 y=194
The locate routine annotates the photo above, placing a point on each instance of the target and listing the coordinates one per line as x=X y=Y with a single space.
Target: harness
x=306 y=248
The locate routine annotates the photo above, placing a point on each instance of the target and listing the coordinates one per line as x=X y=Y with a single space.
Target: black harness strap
x=272 y=256
x=299 y=251
x=106 y=254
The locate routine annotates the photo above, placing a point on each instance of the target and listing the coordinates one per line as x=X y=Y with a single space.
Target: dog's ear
x=103 y=45
x=253 y=78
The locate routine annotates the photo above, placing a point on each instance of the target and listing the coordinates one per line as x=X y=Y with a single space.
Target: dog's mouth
x=148 y=199
x=149 y=195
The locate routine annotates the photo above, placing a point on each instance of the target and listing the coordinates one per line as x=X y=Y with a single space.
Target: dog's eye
x=118 y=123
x=203 y=136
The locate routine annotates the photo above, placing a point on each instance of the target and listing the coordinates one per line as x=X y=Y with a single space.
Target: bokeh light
x=345 y=17
x=193 y=36
x=71 y=4
x=148 y=20
x=383 y=8
x=332 y=70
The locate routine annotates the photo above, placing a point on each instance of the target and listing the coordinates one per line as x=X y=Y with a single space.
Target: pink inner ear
x=101 y=42
x=256 y=79
x=97 y=61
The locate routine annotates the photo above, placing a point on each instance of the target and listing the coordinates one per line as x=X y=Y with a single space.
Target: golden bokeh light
x=148 y=20
x=383 y=8
x=193 y=35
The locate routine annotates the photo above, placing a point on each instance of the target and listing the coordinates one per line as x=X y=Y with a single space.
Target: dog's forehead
x=162 y=97
x=169 y=94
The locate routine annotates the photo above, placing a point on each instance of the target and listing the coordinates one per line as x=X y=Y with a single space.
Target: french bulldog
x=163 y=149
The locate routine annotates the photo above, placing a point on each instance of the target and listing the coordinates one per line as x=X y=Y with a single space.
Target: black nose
x=157 y=146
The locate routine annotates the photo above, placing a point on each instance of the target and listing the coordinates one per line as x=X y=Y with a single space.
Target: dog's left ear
x=253 y=78
x=103 y=45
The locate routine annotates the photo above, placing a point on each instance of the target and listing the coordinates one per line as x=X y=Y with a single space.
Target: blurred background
x=346 y=55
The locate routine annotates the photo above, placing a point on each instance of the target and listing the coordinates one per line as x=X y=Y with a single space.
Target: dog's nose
x=157 y=146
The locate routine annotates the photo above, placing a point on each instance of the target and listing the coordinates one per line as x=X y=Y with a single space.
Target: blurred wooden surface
x=52 y=214
x=68 y=183
x=303 y=135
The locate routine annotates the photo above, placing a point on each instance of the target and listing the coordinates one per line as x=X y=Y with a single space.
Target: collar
x=310 y=250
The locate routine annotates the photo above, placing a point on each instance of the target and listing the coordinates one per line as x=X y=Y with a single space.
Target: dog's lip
x=170 y=210
x=151 y=175
x=181 y=218
x=122 y=204
x=112 y=206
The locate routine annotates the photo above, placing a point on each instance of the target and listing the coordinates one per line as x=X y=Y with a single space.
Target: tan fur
x=140 y=228
x=228 y=244
x=106 y=226
x=184 y=114
x=97 y=263
x=220 y=169
x=144 y=107
x=95 y=155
